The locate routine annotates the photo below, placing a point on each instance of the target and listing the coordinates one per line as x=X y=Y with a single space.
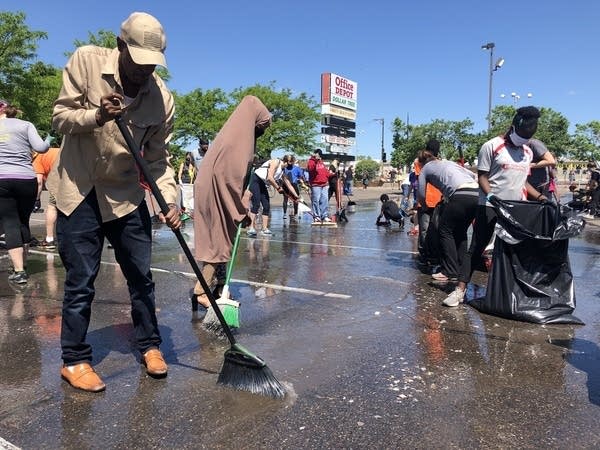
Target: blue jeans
x=348 y=187
x=320 y=201
x=80 y=242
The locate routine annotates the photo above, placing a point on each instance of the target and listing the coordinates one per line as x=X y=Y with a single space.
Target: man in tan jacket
x=99 y=190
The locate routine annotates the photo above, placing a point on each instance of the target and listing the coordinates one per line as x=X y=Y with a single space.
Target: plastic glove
x=489 y=196
x=49 y=139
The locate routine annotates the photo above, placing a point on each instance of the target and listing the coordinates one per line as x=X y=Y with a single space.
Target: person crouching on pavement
x=390 y=211
x=98 y=187
x=461 y=193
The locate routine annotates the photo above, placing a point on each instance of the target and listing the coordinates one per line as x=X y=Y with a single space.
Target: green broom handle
x=236 y=242
x=143 y=166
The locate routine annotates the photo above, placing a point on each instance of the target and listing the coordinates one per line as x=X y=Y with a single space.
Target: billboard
x=339 y=91
x=331 y=110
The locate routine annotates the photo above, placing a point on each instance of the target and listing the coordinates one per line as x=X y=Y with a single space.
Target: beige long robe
x=219 y=186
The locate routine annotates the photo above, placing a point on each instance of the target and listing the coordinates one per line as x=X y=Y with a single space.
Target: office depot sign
x=337 y=90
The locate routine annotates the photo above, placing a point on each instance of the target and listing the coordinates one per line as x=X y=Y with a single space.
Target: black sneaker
x=45 y=245
x=18 y=277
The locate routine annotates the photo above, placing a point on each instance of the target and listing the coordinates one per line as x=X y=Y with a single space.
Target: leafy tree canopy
x=18 y=46
x=294 y=119
x=366 y=166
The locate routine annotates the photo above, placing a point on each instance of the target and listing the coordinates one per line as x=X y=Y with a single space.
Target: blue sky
x=417 y=58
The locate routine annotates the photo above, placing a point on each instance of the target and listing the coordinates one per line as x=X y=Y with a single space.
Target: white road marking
x=5 y=445
x=351 y=247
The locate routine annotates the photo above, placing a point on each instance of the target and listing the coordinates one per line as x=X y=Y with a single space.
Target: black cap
x=526 y=121
x=318 y=151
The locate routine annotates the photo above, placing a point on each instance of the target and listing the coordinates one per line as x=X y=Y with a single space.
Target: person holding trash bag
x=503 y=167
x=99 y=190
x=460 y=192
x=220 y=195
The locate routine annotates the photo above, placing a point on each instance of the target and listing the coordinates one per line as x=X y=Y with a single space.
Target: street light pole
x=493 y=67
x=383 y=155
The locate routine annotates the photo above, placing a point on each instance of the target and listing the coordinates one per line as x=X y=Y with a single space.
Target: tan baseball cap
x=145 y=39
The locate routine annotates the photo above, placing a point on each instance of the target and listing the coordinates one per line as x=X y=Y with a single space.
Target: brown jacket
x=94 y=157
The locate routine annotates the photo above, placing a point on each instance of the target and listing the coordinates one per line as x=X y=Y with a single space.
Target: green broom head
x=231 y=313
x=244 y=371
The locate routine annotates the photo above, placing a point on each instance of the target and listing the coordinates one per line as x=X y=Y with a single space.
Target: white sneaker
x=326 y=219
x=266 y=232
x=251 y=232
x=284 y=216
x=455 y=298
x=587 y=216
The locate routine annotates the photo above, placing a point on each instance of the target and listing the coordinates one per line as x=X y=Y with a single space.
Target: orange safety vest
x=432 y=194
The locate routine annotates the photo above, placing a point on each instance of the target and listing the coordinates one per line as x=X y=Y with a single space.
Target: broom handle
x=233 y=253
x=143 y=166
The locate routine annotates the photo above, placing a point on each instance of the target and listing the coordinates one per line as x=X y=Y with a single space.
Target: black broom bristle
x=244 y=371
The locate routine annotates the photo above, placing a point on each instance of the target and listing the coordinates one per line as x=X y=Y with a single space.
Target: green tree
x=36 y=94
x=294 y=119
x=102 y=38
x=18 y=46
x=198 y=115
x=409 y=140
x=553 y=130
x=366 y=165
x=586 y=142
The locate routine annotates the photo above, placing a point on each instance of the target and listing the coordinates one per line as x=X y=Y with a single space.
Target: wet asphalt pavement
x=345 y=320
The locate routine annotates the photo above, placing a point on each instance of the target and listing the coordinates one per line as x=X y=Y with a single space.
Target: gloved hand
x=489 y=196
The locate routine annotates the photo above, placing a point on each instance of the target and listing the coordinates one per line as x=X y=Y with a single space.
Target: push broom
x=229 y=308
x=242 y=369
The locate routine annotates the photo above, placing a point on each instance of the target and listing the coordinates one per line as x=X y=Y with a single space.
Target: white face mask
x=516 y=139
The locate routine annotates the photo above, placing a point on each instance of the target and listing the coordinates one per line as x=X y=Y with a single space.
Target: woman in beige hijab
x=219 y=201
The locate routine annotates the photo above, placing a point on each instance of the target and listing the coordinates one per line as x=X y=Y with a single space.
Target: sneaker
x=327 y=219
x=45 y=245
x=439 y=277
x=19 y=277
x=586 y=216
x=251 y=232
x=316 y=220
x=284 y=216
x=455 y=298
x=266 y=232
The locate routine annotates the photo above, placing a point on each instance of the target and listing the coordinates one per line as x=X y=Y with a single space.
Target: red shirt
x=318 y=174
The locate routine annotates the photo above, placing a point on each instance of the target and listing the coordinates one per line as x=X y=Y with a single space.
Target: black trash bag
x=531 y=280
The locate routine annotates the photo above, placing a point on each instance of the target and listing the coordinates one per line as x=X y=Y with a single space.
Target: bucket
x=351 y=207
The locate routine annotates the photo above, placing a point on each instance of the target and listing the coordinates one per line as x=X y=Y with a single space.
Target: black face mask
x=258 y=132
